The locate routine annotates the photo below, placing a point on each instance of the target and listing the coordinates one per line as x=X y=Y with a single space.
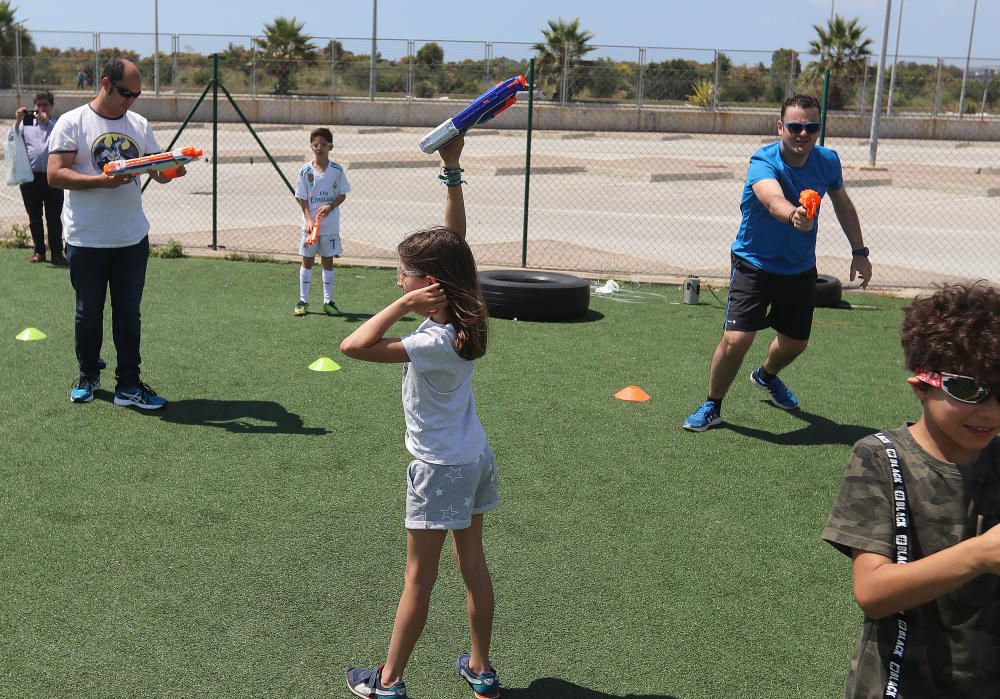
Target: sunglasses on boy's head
x=403 y=272
x=796 y=127
x=964 y=389
x=127 y=94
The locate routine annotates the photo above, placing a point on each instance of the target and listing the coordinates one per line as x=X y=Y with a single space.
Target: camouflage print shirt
x=953 y=642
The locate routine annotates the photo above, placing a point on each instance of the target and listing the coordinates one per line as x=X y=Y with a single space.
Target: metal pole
x=411 y=49
x=864 y=87
x=333 y=68
x=968 y=54
x=215 y=151
x=895 y=59
x=937 y=90
x=564 y=81
x=879 y=83
x=790 y=85
x=715 y=82
x=986 y=89
x=527 y=162
x=156 y=46
x=97 y=61
x=640 y=91
x=372 y=79
x=175 y=48
x=17 y=61
x=253 y=68
x=826 y=98
x=489 y=60
x=832 y=3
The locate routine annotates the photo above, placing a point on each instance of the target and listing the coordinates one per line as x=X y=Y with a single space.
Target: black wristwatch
x=859 y=252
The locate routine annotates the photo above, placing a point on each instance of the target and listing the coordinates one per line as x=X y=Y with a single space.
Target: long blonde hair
x=444 y=255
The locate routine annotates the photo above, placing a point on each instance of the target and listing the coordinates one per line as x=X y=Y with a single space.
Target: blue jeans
x=93 y=271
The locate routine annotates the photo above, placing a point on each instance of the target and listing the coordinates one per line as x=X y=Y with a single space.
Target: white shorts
x=446 y=497
x=326 y=246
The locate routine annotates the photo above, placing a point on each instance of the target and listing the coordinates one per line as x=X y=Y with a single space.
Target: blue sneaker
x=141 y=396
x=484 y=686
x=707 y=415
x=781 y=396
x=83 y=389
x=366 y=682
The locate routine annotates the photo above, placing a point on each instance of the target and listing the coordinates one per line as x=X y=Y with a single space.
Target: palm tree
x=565 y=43
x=842 y=49
x=10 y=28
x=285 y=47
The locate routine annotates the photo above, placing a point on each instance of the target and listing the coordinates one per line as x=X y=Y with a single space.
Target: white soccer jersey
x=319 y=188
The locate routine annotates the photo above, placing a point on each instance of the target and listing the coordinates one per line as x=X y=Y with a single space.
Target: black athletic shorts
x=759 y=299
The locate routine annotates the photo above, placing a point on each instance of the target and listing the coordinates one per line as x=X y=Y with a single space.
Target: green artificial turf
x=248 y=540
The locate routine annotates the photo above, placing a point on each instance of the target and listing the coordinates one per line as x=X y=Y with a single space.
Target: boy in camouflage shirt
x=931 y=597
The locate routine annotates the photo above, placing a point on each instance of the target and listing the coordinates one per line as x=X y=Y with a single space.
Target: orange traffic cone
x=633 y=393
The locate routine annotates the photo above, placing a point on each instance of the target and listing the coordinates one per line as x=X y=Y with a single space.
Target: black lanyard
x=901 y=541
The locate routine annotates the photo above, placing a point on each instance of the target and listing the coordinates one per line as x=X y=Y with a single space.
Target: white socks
x=305 y=277
x=327 y=285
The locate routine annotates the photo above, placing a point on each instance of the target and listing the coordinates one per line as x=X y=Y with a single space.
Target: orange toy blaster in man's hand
x=810 y=200
x=172 y=160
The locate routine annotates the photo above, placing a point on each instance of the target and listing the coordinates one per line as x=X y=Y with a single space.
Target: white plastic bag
x=17 y=167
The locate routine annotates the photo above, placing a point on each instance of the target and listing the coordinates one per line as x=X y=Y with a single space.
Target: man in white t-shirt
x=105 y=228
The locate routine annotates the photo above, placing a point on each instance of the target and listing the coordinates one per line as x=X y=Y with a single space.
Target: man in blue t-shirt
x=773 y=282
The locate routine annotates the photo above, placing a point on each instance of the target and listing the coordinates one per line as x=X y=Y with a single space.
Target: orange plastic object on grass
x=809 y=199
x=633 y=393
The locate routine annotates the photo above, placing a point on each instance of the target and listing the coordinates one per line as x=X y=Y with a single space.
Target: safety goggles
x=964 y=389
x=403 y=272
x=796 y=127
x=127 y=94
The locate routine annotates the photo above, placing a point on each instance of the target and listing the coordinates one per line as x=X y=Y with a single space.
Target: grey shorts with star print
x=446 y=497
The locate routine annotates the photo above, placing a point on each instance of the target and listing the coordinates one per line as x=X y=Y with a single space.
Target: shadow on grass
x=817 y=430
x=243 y=416
x=552 y=688
x=346 y=316
x=591 y=317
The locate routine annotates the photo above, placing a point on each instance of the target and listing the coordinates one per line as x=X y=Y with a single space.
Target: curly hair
x=956 y=329
x=444 y=255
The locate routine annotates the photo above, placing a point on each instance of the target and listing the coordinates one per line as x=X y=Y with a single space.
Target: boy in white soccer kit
x=321 y=188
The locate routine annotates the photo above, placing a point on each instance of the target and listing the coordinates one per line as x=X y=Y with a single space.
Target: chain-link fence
x=610 y=203
x=427 y=69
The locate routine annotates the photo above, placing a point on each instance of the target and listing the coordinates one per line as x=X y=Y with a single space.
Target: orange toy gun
x=314 y=233
x=161 y=162
x=809 y=199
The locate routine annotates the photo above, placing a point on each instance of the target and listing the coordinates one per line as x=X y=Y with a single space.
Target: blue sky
x=930 y=27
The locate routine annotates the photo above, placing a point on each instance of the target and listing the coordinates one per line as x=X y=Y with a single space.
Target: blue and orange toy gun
x=163 y=162
x=479 y=111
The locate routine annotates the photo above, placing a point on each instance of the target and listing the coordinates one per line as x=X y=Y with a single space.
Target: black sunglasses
x=965 y=389
x=796 y=126
x=127 y=94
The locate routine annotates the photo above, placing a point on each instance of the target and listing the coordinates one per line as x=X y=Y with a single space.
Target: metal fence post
x=864 y=88
x=17 y=63
x=411 y=50
x=215 y=151
x=715 y=82
x=333 y=68
x=97 y=61
x=527 y=162
x=790 y=85
x=175 y=49
x=253 y=68
x=488 y=48
x=564 y=80
x=986 y=89
x=640 y=91
x=936 y=105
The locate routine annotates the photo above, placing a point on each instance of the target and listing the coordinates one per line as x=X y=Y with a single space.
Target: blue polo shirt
x=773 y=245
